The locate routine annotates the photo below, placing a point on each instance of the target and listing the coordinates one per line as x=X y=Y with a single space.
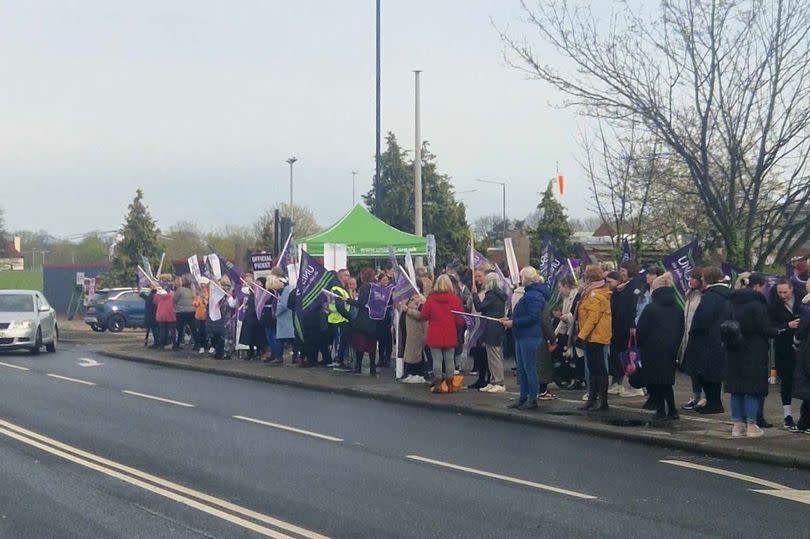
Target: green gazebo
x=365 y=236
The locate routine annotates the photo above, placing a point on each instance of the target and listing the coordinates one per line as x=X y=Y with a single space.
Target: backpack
x=731 y=333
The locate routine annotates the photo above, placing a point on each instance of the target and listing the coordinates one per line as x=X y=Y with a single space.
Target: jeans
x=275 y=345
x=744 y=407
x=340 y=341
x=526 y=357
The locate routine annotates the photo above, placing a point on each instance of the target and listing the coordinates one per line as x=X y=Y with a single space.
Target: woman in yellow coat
x=593 y=335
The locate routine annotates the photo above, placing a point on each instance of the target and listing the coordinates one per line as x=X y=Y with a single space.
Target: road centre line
x=161 y=399
x=727 y=473
x=60 y=377
x=289 y=429
x=506 y=478
x=139 y=478
x=14 y=366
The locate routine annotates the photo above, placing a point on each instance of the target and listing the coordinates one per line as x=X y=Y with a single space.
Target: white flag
x=214 y=297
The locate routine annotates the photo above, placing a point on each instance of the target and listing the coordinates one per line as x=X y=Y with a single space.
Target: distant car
x=27 y=321
x=115 y=309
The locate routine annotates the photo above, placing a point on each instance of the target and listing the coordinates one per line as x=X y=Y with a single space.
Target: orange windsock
x=561 y=183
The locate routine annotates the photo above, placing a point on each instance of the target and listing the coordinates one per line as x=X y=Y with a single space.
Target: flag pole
x=574 y=275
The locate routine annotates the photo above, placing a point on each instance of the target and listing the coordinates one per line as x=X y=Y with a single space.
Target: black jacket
x=493 y=305
x=363 y=322
x=780 y=316
x=150 y=310
x=747 y=363
x=705 y=355
x=659 y=333
x=801 y=376
x=623 y=315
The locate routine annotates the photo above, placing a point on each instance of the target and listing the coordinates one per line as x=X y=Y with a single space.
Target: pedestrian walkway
x=626 y=420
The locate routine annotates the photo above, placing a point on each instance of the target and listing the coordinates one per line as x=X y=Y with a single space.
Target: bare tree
x=722 y=83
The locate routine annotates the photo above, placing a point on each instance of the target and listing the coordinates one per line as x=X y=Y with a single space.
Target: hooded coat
x=443 y=325
x=747 y=364
x=705 y=355
x=659 y=333
x=284 y=316
x=528 y=312
x=493 y=305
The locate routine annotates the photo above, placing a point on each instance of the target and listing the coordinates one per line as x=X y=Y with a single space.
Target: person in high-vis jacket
x=338 y=324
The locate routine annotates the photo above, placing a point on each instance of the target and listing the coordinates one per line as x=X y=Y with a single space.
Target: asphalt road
x=88 y=451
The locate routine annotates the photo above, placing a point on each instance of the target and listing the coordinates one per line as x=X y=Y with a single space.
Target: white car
x=27 y=321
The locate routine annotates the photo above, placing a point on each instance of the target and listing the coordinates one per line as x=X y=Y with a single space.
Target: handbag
x=630 y=357
x=636 y=380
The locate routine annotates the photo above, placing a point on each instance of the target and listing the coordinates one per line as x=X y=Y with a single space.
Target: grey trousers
x=443 y=356
x=495 y=363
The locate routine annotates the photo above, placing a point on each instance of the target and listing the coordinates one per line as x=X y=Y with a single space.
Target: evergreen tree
x=554 y=223
x=140 y=238
x=443 y=216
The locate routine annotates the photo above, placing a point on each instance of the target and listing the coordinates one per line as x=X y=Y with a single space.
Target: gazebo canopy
x=365 y=236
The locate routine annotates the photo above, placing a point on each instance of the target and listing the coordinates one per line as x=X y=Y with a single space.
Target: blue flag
x=680 y=264
x=552 y=264
x=312 y=279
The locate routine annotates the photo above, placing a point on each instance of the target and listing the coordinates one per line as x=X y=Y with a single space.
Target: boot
x=591 y=402
x=603 y=393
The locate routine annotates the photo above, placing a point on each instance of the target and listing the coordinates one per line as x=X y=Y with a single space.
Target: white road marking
x=87 y=362
x=774 y=489
x=18 y=367
x=506 y=478
x=85 y=382
x=726 y=473
x=289 y=429
x=109 y=467
x=801 y=496
x=161 y=399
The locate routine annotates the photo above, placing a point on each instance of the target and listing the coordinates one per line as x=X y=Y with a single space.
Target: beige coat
x=415 y=331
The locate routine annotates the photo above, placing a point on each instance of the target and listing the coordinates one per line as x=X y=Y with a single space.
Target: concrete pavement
x=347 y=467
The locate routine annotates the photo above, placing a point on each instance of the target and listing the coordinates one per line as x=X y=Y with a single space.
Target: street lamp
x=503 y=185
x=354 y=178
x=291 y=161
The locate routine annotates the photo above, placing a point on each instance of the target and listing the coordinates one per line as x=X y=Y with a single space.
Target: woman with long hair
x=442 y=330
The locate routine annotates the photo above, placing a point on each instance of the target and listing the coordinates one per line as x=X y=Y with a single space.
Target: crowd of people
x=613 y=331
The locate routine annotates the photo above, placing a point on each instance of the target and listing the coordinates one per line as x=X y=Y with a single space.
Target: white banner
x=213 y=261
x=194 y=267
x=511 y=261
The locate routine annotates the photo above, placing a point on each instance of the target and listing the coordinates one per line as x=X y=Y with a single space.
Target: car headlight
x=22 y=324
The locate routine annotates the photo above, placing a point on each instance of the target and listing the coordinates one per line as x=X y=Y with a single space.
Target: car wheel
x=51 y=347
x=37 y=344
x=97 y=328
x=116 y=323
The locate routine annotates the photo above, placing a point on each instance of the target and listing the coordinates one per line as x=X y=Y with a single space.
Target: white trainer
x=202 y=350
x=486 y=388
x=497 y=388
x=615 y=389
x=585 y=397
x=631 y=392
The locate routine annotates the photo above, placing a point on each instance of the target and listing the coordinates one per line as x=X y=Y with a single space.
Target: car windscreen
x=16 y=303
x=100 y=297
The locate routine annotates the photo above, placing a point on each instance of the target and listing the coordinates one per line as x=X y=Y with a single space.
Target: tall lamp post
x=354 y=179
x=417 y=165
x=291 y=161
x=503 y=186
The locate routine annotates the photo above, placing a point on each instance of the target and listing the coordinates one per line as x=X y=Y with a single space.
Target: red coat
x=443 y=325
x=165 y=307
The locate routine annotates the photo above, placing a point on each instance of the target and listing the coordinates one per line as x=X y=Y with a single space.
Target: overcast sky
x=200 y=102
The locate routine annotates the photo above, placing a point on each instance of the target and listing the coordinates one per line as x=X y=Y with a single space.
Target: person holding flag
x=493 y=305
x=415 y=330
x=527 y=330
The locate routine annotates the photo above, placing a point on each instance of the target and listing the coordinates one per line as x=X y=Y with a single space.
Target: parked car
x=115 y=309
x=27 y=321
